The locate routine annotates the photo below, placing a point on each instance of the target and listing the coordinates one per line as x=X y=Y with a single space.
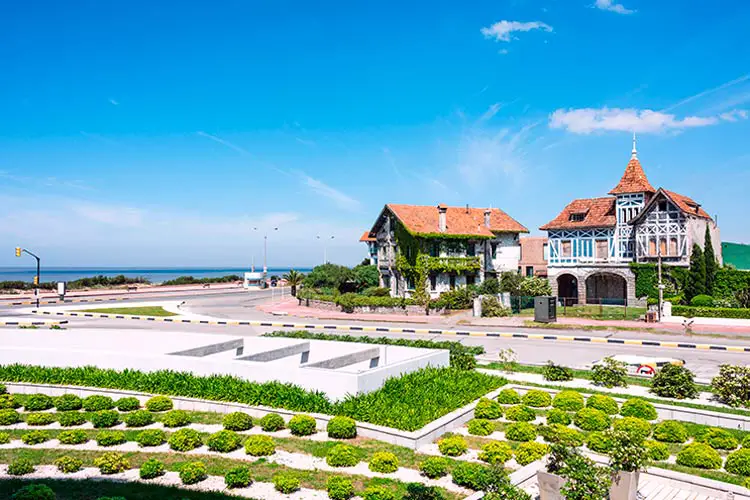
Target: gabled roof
x=634 y=179
x=421 y=219
x=366 y=237
x=684 y=203
x=598 y=212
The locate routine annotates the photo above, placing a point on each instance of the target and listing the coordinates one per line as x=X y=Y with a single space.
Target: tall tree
x=711 y=264
x=294 y=279
x=696 y=281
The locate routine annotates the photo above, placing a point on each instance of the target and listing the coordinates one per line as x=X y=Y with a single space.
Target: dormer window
x=577 y=217
x=663 y=206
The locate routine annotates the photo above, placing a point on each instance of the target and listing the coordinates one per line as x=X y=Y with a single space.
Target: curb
x=426 y=331
x=34 y=323
x=64 y=301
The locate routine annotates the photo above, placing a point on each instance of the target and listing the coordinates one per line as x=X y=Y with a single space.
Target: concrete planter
x=549 y=485
x=624 y=486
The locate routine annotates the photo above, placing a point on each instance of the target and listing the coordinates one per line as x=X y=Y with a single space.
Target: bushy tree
x=535 y=286
x=696 y=280
x=711 y=264
x=490 y=286
x=510 y=281
x=674 y=381
x=366 y=276
x=329 y=276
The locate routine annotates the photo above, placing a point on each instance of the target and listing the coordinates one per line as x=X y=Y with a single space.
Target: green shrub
x=599 y=442
x=285 y=483
x=434 y=467
x=610 y=374
x=38 y=402
x=138 y=418
x=342 y=428
x=128 y=404
x=537 y=399
x=110 y=438
x=384 y=462
x=339 y=488
x=8 y=416
x=452 y=446
x=153 y=437
x=111 y=463
x=674 y=381
x=711 y=312
x=556 y=373
x=470 y=475
x=557 y=416
x=184 y=440
x=480 y=427
x=159 y=403
x=8 y=401
x=508 y=397
x=702 y=301
x=34 y=492
x=71 y=418
x=98 y=403
x=493 y=308
x=488 y=409
x=176 y=418
x=732 y=385
x=3 y=389
x=637 y=407
x=738 y=462
x=237 y=421
x=151 y=469
x=302 y=425
x=568 y=401
x=193 y=473
x=224 y=441
x=591 y=419
x=496 y=452
x=105 y=418
x=35 y=419
x=700 y=456
x=636 y=427
x=75 y=436
x=670 y=431
x=378 y=493
x=656 y=450
x=603 y=403
x=20 y=467
x=271 y=422
x=68 y=465
x=4 y=438
x=68 y=402
x=530 y=451
x=342 y=455
x=35 y=437
x=520 y=431
x=718 y=439
x=561 y=434
x=520 y=413
x=260 y=446
x=238 y=477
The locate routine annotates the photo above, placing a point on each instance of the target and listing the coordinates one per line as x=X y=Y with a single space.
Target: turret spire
x=634 y=153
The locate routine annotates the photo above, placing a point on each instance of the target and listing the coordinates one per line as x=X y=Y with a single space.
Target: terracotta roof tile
x=366 y=237
x=687 y=204
x=634 y=179
x=598 y=212
x=424 y=219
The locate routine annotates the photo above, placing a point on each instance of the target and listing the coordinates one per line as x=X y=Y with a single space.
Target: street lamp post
x=265 y=249
x=325 y=248
x=37 y=281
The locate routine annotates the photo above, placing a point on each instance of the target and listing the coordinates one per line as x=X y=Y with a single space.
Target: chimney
x=442 y=223
x=467 y=208
x=487 y=213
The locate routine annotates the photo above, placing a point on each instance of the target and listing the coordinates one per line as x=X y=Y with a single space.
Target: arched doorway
x=567 y=289
x=606 y=288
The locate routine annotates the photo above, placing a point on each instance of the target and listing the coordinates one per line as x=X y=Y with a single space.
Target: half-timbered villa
x=593 y=240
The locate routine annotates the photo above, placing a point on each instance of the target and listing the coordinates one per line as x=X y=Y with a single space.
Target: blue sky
x=162 y=133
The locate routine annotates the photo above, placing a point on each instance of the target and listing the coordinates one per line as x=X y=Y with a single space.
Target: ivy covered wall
x=728 y=281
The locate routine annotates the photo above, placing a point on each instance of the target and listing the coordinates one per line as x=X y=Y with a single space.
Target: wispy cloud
x=306 y=142
x=342 y=200
x=224 y=142
x=611 y=6
x=710 y=91
x=109 y=215
x=53 y=182
x=502 y=31
x=734 y=115
x=114 y=102
x=491 y=112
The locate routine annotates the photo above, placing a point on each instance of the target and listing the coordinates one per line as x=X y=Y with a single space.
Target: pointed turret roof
x=634 y=179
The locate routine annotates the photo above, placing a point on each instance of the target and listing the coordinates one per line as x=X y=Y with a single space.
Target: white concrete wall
x=696 y=229
x=508 y=252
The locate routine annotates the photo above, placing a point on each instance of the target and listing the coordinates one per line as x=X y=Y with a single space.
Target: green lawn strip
x=196 y=417
x=716 y=475
x=131 y=311
x=594 y=328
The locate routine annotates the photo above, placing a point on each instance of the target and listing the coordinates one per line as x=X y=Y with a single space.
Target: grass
x=132 y=311
x=603 y=312
x=716 y=475
x=589 y=328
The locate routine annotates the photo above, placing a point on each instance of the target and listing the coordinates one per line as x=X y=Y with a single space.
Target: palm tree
x=294 y=279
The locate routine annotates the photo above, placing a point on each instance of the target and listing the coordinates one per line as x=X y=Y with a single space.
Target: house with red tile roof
x=441 y=247
x=592 y=241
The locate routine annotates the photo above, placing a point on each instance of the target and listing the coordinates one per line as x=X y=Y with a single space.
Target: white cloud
x=588 y=120
x=114 y=102
x=734 y=115
x=109 y=215
x=491 y=111
x=611 y=6
x=342 y=200
x=306 y=142
x=503 y=30
x=713 y=90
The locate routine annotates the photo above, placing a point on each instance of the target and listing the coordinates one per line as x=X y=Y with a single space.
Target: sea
x=154 y=275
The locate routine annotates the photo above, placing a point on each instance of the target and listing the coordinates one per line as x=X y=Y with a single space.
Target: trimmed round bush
x=452 y=446
x=520 y=431
x=159 y=403
x=285 y=483
x=738 y=462
x=184 y=440
x=260 y=446
x=110 y=438
x=9 y=416
x=599 y=442
x=378 y=493
x=530 y=451
x=700 y=456
x=224 y=441
x=74 y=436
x=238 y=477
x=674 y=381
x=68 y=402
x=718 y=439
x=193 y=473
x=8 y=401
x=4 y=438
x=339 y=488
x=537 y=399
x=35 y=437
x=38 y=402
x=20 y=467
x=271 y=422
x=470 y=475
x=34 y=492
x=105 y=418
x=111 y=463
x=520 y=413
x=128 y=404
x=151 y=468
x=591 y=419
x=71 y=418
x=637 y=427
x=496 y=452
x=557 y=433
x=237 y=421
x=68 y=465
x=176 y=418
x=138 y=418
x=434 y=467
x=98 y=403
x=670 y=431
x=40 y=418
x=384 y=462
x=480 y=427
x=302 y=425
x=656 y=450
x=508 y=397
x=152 y=437
x=342 y=455
x=604 y=403
x=568 y=401
x=342 y=428
x=557 y=416
x=488 y=409
x=637 y=407
x=702 y=300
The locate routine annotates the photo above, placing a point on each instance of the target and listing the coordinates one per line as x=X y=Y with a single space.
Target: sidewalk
x=142 y=289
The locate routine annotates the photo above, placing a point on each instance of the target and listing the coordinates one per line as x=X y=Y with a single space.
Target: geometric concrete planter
x=549 y=485
x=624 y=486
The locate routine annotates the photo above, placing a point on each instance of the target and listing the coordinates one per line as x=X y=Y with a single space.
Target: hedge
x=711 y=312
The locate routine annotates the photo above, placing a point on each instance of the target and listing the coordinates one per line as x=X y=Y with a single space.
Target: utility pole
x=37 y=281
x=325 y=248
x=265 y=251
x=661 y=287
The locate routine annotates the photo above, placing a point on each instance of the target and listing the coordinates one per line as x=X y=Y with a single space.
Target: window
x=566 y=248
x=386 y=281
x=546 y=252
x=673 y=246
x=529 y=271
x=470 y=249
x=519 y=269
x=453 y=282
x=433 y=282
x=470 y=279
x=663 y=206
x=652 y=247
x=435 y=249
x=602 y=249
x=577 y=217
x=409 y=283
x=493 y=246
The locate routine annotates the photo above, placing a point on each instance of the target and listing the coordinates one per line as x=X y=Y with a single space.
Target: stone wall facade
x=604 y=279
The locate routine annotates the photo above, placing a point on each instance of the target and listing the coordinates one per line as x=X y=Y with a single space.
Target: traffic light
x=18 y=251
x=36 y=280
